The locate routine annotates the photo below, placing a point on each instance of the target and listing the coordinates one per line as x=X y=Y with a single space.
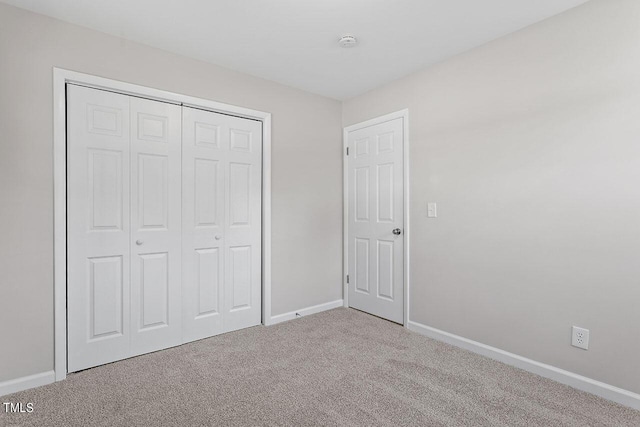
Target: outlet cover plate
x=580 y=337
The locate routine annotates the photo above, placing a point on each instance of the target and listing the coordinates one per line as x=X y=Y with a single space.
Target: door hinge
x=347 y=279
x=347 y=151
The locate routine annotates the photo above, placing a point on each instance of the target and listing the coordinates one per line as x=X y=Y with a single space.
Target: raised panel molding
x=152 y=127
x=154 y=290
x=362 y=265
x=104 y=120
x=105 y=189
x=362 y=194
x=385 y=143
x=240 y=276
x=240 y=140
x=385 y=269
x=239 y=200
x=384 y=180
x=362 y=148
x=206 y=192
x=207 y=136
x=208 y=279
x=152 y=193
x=105 y=287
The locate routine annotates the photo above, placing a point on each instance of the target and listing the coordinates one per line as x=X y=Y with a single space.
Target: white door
x=376 y=219
x=98 y=227
x=164 y=225
x=156 y=307
x=124 y=226
x=222 y=223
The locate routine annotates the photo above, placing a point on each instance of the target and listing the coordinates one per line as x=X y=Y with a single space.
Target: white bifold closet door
x=222 y=222
x=156 y=309
x=98 y=227
x=163 y=225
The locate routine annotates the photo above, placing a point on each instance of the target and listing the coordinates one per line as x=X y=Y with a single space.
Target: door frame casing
x=60 y=79
x=404 y=115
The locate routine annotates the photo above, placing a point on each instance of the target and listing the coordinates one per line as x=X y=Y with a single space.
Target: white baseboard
x=24 y=383
x=616 y=394
x=305 y=312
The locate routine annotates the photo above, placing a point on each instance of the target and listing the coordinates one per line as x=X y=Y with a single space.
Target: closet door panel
x=243 y=230
x=204 y=158
x=164 y=225
x=222 y=193
x=156 y=226
x=98 y=250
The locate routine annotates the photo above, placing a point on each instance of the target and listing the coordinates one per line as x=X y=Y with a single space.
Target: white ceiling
x=295 y=42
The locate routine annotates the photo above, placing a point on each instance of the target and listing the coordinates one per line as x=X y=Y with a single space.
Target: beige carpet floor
x=337 y=368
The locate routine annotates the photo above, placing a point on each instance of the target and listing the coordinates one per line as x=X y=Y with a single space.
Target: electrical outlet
x=580 y=337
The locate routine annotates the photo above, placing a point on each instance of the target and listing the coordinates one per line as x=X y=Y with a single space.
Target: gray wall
x=530 y=145
x=307 y=147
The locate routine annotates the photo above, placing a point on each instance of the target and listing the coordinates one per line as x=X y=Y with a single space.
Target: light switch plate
x=432 y=210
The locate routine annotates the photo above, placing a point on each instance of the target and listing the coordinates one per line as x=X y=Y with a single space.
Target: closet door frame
x=61 y=78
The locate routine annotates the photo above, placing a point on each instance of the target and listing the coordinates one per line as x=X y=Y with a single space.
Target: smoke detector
x=347 y=41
